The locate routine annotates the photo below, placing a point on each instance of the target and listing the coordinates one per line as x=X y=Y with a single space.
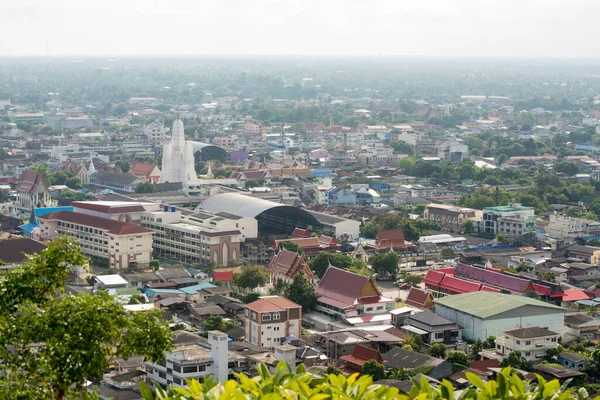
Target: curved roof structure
x=246 y=206
x=210 y=151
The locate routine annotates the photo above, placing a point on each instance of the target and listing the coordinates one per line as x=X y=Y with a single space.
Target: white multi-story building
x=532 y=342
x=563 y=226
x=512 y=220
x=270 y=319
x=156 y=132
x=187 y=239
x=123 y=245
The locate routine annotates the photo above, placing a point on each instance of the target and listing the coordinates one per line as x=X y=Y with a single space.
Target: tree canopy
x=302 y=292
x=251 y=277
x=51 y=342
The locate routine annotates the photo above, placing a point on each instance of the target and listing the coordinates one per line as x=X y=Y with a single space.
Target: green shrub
x=284 y=384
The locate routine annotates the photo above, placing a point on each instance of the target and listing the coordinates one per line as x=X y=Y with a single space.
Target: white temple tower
x=178 y=157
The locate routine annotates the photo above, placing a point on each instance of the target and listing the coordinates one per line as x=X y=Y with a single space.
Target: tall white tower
x=220 y=354
x=178 y=157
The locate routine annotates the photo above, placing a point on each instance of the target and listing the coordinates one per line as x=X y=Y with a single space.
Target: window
x=177 y=368
x=201 y=368
x=527 y=343
x=276 y=315
x=190 y=370
x=518 y=342
x=369 y=308
x=162 y=375
x=177 y=381
x=527 y=354
x=439 y=335
x=266 y=317
x=254 y=316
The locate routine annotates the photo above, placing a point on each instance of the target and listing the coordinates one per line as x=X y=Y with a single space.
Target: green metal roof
x=486 y=304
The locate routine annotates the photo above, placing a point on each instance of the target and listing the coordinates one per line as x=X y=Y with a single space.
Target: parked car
x=379 y=277
x=403 y=285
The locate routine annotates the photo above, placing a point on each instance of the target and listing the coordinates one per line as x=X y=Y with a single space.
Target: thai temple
x=178 y=157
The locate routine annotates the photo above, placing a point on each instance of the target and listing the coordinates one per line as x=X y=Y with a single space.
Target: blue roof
x=47 y=210
x=28 y=227
x=197 y=288
x=586 y=303
x=151 y=292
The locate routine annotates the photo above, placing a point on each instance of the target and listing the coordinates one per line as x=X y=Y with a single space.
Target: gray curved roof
x=242 y=205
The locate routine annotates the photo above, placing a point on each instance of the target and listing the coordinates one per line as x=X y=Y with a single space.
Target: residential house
x=432 y=327
x=399 y=358
x=482 y=314
x=340 y=197
x=146 y=172
x=242 y=177
x=581 y=325
x=286 y=264
x=270 y=319
x=360 y=355
x=142 y=279
x=574 y=361
x=531 y=341
x=347 y=294
x=589 y=254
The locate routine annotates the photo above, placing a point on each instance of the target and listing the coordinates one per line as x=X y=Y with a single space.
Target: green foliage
x=50 y=343
x=124 y=165
x=251 y=183
x=251 y=277
x=374 y=369
x=411 y=230
x=320 y=263
x=154 y=264
x=447 y=253
x=458 y=358
x=401 y=147
x=44 y=171
x=284 y=384
x=413 y=279
x=250 y=297
x=486 y=197
x=468 y=228
x=385 y=264
x=476 y=348
x=216 y=323
x=145 y=187
x=302 y=292
x=291 y=246
x=516 y=360
x=415 y=342
x=407 y=165
x=490 y=342
x=73 y=183
x=547 y=276
x=438 y=350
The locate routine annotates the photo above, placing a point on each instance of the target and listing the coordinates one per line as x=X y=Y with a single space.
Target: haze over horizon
x=433 y=28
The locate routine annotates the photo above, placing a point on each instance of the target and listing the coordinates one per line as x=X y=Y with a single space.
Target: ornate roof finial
x=177 y=117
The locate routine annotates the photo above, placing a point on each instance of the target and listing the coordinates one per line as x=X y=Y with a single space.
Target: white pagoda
x=178 y=157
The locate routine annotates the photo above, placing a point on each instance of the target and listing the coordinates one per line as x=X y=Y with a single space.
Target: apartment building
x=188 y=240
x=563 y=226
x=123 y=245
x=270 y=319
x=451 y=217
x=512 y=220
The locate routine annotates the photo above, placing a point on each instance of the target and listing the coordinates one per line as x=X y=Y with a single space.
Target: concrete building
x=226 y=141
x=563 y=226
x=482 y=314
x=531 y=341
x=123 y=245
x=270 y=319
x=156 y=132
x=512 y=220
x=336 y=226
x=185 y=239
x=340 y=197
x=452 y=217
x=119 y=182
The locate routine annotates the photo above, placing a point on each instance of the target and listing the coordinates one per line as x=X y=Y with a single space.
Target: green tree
x=73 y=183
x=438 y=350
x=251 y=183
x=516 y=360
x=468 y=227
x=251 y=277
x=401 y=147
x=374 y=369
x=385 y=264
x=407 y=165
x=145 y=187
x=547 y=276
x=302 y=292
x=459 y=358
x=412 y=279
x=414 y=341
x=490 y=342
x=476 y=348
x=447 y=253
x=291 y=246
x=250 y=297
x=124 y=165
x=154 y=264
x=502 y=237
x=44 y=171
x=320 y=263
x=78 y=336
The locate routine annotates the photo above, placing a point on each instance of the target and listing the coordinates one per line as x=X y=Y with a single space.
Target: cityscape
x=424 y=224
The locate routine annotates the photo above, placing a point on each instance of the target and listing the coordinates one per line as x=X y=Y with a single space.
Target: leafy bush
x=284 y=384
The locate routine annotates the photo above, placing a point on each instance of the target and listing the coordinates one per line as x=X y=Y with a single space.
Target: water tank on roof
x=172 y=208
x=166 y=208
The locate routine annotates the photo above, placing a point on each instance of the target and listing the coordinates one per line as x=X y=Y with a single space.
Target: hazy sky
x=565 y=28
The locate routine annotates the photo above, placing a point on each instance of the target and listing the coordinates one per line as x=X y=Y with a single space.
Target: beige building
x=532 y=342
x=563 y=226
x=451 y=217
x=225 y=141
x=124 y=245
x=270 y=319
x=187 y=239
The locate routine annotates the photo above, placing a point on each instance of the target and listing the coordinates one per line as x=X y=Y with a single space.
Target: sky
x=442 y=28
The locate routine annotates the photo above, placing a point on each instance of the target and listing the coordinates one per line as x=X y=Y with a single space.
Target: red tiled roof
x=223 y=276
x=271 y=303
x=109 y=225
x=28 y=182
x=327 y=241
x=574 y=295
x=361 y=355
x=495 y=279
x=458 y=285
x=395 y=235
x=305 y=243
x=485 y=365
x=108 y=208
x=434 y=278
x=142 y=169
x=417 y=297
x=300 y=233
x=341 y=288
